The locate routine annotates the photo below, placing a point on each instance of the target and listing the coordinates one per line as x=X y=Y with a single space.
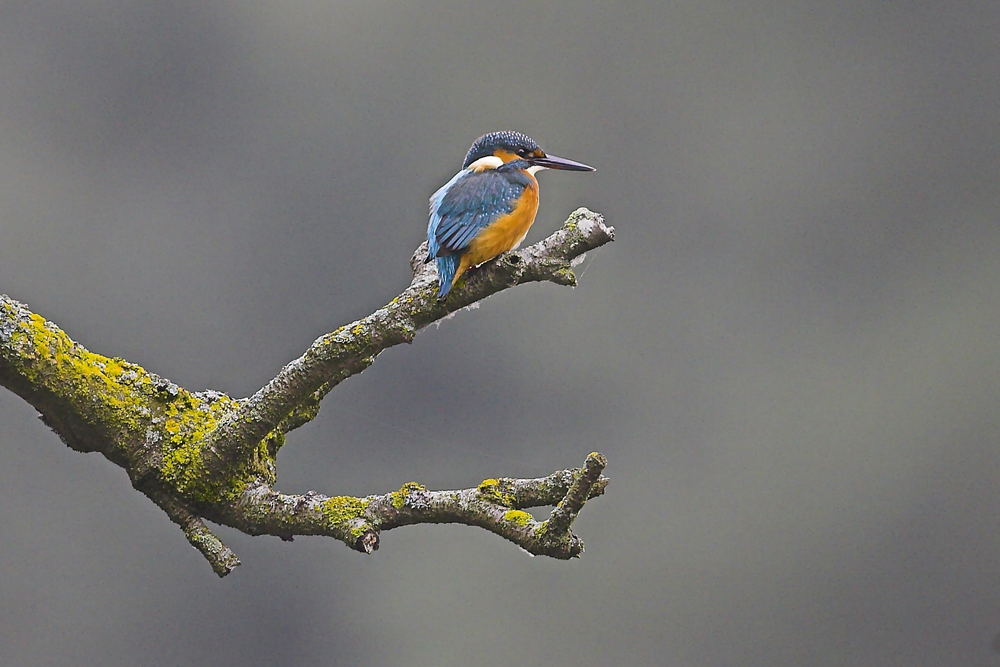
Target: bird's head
x=512 y=146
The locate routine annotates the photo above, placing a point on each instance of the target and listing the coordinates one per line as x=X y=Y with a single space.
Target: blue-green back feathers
x=462 y=208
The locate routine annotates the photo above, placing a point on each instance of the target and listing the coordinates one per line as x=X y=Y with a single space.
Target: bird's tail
x=447 y=266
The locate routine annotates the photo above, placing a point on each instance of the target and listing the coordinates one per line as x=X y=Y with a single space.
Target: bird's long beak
x=556 y=162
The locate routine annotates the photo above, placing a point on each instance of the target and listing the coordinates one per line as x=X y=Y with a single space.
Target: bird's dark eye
x=522 y=152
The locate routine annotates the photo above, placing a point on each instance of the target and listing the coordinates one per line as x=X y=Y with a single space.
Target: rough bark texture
x=204 y=455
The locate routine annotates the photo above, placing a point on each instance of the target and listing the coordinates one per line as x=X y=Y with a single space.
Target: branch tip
x=579 y=491
x=222 y=559
x=367 y=542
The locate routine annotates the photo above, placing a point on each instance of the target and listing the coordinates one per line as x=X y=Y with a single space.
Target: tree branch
x=219 y=556
x=350 y=349
x=566 y=510
x=495 y=504
x=205 y=455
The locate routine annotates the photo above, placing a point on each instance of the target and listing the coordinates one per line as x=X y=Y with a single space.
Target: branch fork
x=205 y=455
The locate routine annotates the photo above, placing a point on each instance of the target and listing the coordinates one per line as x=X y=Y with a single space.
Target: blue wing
x=466 y=204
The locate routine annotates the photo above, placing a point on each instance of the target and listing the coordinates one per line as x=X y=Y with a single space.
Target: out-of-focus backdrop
x=789 y=354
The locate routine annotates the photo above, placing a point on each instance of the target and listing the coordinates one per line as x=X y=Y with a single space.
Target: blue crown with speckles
x=507 y=139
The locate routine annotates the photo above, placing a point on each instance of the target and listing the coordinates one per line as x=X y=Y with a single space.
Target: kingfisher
x=488 y=207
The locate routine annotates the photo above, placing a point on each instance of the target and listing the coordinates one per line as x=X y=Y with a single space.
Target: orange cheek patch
x=506 y=156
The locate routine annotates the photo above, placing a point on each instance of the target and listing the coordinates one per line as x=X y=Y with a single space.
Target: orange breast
x=506 y=232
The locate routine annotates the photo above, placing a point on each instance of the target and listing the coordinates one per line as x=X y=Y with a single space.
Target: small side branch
x=545 y=490
x=222 y=559
x=566 y=510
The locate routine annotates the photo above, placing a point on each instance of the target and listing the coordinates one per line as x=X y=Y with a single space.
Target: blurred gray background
x=789 y=355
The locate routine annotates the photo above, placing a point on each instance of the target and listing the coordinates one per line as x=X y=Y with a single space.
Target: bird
x=488 y=207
